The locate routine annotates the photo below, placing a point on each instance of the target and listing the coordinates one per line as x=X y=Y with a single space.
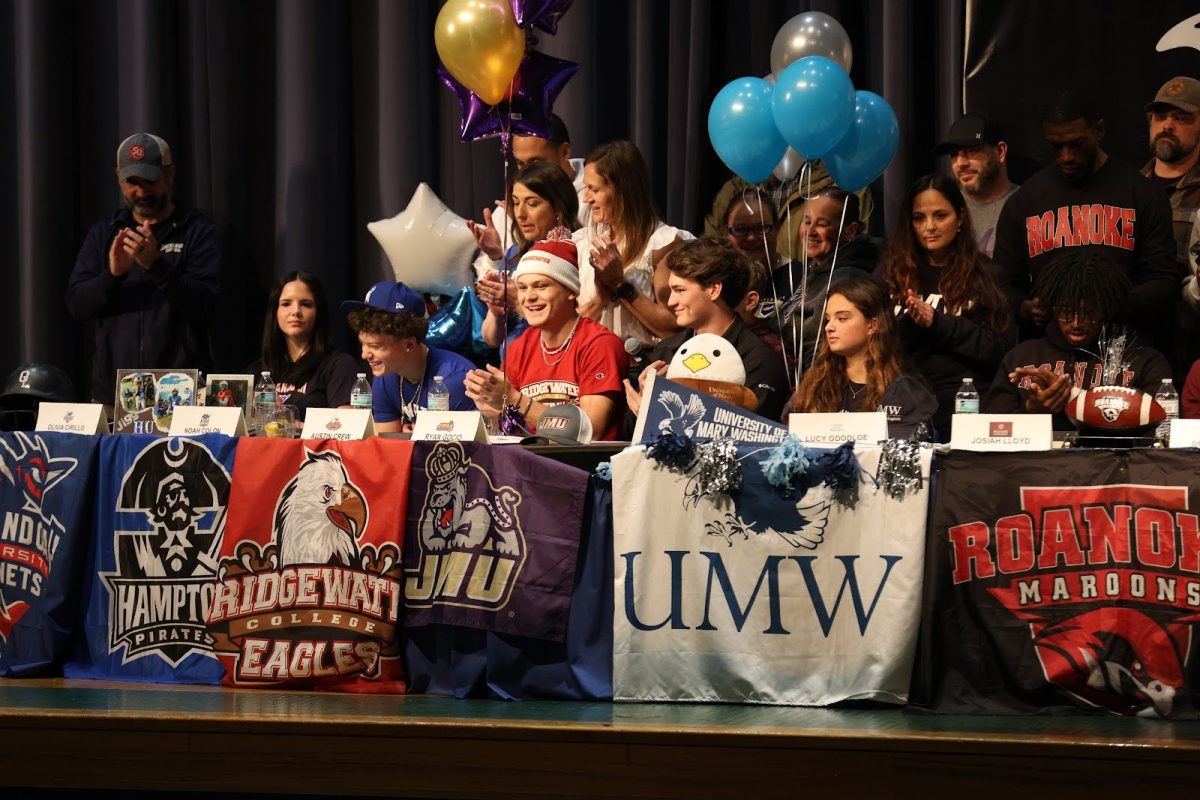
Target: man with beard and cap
x=1174 y=119
x=979 y=161
x=1086 y=199
x=147 y=277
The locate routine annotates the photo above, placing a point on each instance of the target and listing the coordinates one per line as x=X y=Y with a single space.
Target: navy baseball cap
x=143 y=155
x=391 y=296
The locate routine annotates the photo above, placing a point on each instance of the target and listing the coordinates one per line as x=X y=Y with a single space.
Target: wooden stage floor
x=60 y=734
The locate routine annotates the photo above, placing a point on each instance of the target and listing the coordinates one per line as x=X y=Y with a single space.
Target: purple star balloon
x=545 y=14
x=527 y=111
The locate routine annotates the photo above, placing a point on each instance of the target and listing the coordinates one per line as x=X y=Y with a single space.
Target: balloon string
x=829 y=283
x=505 y=153
x=806 y=193
x=787 y=369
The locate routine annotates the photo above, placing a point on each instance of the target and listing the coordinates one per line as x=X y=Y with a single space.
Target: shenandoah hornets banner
x=309 y=583
x=46 y=493
x=757 y=599
x=494 y=539
x=1062 y=581
x=160 y=512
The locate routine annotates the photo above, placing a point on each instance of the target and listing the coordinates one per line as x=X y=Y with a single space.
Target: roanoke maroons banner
x=753 y=598
x=1060 y=582
x=309 y=583
x=46 y=493
x=160 y=512
x=495 y=539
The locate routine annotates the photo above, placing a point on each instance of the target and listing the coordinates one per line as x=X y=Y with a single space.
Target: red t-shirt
x=595 y=363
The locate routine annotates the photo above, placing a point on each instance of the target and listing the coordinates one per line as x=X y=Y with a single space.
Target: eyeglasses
x=742 y=231
x=1075 y=315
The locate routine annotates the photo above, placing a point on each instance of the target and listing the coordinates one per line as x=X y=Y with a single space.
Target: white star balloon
x=428 y=245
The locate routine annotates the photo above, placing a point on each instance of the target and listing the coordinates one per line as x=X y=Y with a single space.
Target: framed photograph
x=146 y=398
x=231 y=390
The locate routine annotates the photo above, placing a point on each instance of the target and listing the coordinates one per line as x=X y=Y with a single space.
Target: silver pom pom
x=717 y=469
x=900 y=468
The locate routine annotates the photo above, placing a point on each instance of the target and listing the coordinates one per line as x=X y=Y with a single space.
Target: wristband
x=626 y=291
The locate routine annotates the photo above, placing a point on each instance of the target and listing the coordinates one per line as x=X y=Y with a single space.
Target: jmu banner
x=45 y=492
x=160 y=513
x=1061 y=582
x=309 y=584
x=494 y=539
x=758 y=599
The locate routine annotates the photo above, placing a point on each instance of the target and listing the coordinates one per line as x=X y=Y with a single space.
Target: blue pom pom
x=786 y=468
x=603 y=471
x=674 y=452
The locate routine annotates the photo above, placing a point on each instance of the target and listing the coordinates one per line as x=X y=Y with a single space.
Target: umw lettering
x=722 y=601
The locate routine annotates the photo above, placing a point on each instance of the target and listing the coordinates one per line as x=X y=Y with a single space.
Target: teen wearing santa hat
x=561 y=357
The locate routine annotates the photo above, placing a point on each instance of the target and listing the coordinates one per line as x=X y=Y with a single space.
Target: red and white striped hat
x=555 y=257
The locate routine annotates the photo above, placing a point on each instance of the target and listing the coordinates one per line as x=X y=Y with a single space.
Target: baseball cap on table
x=143 y=155
x=564 y=424
x=1182 y=93
x=969 y=130
x=555 y=257
x=392 y=296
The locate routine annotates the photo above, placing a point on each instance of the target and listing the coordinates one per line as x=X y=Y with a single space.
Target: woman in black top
x=295 y=349
x=953 y=318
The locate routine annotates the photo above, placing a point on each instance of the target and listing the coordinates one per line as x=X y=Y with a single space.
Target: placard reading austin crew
x=45 y=490
x=310 y=582
x=160 y=514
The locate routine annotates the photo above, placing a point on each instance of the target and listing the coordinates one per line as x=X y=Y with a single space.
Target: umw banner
x=494 y=539
x=752 y=598
x=309 y=583
x=160 y=513
x=1062 y=581
x=46 y=493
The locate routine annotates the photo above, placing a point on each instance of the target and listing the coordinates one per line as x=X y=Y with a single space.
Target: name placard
x=85 y=418
x=343 y=424
x=199 y=420
x=834 y=428
x=448 y=426
x=1184 y=432
x=1003 y=432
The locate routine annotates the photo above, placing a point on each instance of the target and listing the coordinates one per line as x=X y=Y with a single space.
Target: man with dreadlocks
x=1083 y=291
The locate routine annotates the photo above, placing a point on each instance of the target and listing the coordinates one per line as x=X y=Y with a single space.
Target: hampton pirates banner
x=752 y=598
x=160 y=512
x=45 y=492
x=309 y=584
x=495 y=539
x=1060 y=582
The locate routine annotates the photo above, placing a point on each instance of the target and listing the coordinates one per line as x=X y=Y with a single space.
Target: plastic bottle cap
x=437 y=377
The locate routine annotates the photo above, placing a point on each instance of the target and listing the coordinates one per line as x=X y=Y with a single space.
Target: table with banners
x=1055 y=581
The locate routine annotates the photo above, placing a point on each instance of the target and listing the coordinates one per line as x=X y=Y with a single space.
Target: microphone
x=636 y=349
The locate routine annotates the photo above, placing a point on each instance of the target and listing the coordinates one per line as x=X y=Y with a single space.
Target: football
x=1114 y=408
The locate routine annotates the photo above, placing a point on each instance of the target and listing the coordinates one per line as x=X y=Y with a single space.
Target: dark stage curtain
x=296 y=122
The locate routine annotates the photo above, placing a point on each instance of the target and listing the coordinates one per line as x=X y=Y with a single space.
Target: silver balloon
x=811 y=34
x=789 y=165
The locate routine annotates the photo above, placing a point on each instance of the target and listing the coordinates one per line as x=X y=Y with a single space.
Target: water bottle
x=1168 y=398
x=966 y=399
x=360 y=395
x=438 y=397
x=264 y=400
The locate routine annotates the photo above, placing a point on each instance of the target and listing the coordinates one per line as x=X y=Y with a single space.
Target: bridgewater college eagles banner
x=160 y=513
x=1060 y=582
x=46 y=493
x=309 y=583
x=753 y=598
x=495 y=539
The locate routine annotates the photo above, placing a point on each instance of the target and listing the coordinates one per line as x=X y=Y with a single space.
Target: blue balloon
x=742 y=129
x=868 y=147
x=813 y=105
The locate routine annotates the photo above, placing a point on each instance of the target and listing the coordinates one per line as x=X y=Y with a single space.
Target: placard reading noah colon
x=309 y=582
x=669 y=407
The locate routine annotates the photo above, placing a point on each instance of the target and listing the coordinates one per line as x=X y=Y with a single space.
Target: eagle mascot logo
x=321 y=515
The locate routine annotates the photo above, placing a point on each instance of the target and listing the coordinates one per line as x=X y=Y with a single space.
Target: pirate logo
x=170 y=515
